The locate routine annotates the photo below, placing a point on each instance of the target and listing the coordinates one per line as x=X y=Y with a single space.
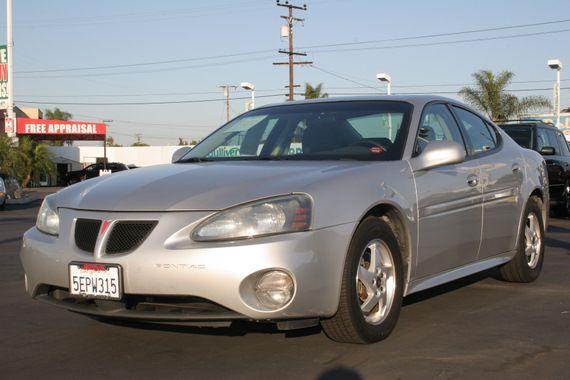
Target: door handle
x=472 y=180
x=516 y=168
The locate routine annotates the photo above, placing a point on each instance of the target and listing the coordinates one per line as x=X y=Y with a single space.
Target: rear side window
x=541 y=139
x=480 y=138
x=563 y=145
x=522 y=135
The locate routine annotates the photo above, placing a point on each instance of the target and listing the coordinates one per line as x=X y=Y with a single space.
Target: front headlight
x=48 y=219
x=290 y=213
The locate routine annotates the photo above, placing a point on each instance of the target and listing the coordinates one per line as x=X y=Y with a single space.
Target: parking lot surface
x=472 y=328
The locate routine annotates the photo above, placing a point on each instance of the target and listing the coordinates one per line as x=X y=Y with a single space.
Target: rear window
x=522 y=135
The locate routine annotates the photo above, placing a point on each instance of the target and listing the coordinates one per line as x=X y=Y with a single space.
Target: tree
x=34 y=160
x=315 y=92
x=182 y=141
x=138 y=142
x=8 y=157
x=111 y=141
x=491 y=97
x=57 y=114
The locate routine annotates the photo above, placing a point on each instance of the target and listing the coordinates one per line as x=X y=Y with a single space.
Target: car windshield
x=358 y=130
x=522 y=135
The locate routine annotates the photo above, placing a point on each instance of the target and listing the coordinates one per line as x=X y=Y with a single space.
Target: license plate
x=95 y=280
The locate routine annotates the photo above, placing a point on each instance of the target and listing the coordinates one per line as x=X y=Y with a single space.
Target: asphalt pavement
x=470 y=329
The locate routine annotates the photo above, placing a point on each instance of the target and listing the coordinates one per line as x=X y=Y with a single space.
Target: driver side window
x=437 y=124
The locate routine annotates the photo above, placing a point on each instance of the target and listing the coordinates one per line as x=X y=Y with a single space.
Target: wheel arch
x=538 y=193
x=397 y=220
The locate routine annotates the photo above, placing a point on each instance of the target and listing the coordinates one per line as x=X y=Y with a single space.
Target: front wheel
x=527 y=263
x=372 y=286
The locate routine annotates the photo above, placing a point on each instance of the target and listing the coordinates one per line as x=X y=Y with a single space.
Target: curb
x=24 y=200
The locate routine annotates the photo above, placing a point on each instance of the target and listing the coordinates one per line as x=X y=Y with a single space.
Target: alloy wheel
x=375 y=281
x=533 y=240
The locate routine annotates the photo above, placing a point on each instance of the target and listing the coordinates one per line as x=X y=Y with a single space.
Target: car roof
x=418 y=100
x=526 y=123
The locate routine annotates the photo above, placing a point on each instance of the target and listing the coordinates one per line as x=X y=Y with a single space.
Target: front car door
x=553 y=166
x=449 y=201
x=558 y=166
x=502 y=174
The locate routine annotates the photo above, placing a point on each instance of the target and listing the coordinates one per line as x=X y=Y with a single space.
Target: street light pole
x=251 y=87
x=105 y=145
x=383 y=77
x=9 y=50
x=555 y=64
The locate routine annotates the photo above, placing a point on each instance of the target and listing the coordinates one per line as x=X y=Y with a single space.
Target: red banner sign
x=60 y=129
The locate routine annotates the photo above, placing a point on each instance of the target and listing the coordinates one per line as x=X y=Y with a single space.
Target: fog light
x=274 y=289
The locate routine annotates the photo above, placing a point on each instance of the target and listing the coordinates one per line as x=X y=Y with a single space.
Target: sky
x=60 y=46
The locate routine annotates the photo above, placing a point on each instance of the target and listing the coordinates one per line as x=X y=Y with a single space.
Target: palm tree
x=33 y=159
x=315 y=92
x=57 y=114
x=490 y=96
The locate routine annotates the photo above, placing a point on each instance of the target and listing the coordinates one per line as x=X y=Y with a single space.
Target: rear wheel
x=527 y=263
x=372 y=286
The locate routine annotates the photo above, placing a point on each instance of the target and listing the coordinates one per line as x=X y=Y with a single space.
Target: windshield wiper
x=196 y=159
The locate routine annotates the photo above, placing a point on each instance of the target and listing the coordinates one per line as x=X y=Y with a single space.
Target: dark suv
x=92 y=171
x=550 y=142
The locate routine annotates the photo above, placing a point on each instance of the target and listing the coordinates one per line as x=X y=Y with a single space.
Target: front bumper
x=214 y=273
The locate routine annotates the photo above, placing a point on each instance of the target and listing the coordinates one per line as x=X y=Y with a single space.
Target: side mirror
x=178 y=154
x=439 y=153
x=547 y=151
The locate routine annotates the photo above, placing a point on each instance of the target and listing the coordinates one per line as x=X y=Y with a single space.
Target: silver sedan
x=315 y=212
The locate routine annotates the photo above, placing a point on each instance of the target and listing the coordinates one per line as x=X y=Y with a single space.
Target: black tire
x=3 y=205
x=519 y=269
x=348 y=325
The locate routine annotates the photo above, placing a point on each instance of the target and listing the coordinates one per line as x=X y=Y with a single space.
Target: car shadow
x=425 y=295
x=237 y=328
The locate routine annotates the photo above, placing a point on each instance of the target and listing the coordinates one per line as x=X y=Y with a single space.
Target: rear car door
x=449 y=200
x=501 y=176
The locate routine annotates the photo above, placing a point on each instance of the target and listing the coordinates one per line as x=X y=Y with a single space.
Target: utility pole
x=291 y=52
x=227 y=88
x=9 y=49
x=105 y=144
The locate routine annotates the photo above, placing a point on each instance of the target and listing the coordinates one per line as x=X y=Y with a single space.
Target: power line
x=341 y=77
x=440 y=92
x=186 y=101
x=177 y=68
x=444 y=42
x=121 y=121
x=447 y=34
x=151 y=63
x=360 y=85
x=256 y=52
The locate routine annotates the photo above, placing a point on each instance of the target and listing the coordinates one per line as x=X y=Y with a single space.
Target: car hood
x=197 y=186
